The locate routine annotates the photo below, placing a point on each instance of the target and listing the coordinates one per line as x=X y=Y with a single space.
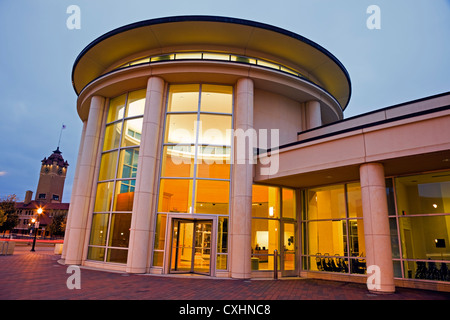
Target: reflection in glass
x=98 y=229
x=116 y=108
x=128 y=162
x=132 y=132
x=112 y=136
x=103 y=197
x=117 y=255
x=96 y=253
x=108 y=166
x=136 y=103
x=124 y=195
x=120 y=230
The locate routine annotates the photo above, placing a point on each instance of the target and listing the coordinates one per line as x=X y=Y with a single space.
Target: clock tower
x=51 y=180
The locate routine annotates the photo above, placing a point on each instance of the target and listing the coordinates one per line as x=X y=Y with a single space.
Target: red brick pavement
x=37 y=275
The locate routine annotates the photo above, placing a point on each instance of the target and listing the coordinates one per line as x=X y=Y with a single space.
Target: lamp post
x=39 y=212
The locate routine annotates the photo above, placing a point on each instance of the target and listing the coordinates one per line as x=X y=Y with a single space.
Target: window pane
x=326 y=203
x=212 y=197
x=116 y=108
x=183 y=98
x=120 y=230
x=99 y=229
x=181 y=128
x=289 y=206
x=428 y=193
x=178 y=161
x=112 y=136
x=132 y=132
x=175 y=195
x=217 y=98
x=327 y=238
x=117 y=255
x=96 y=253
x=222 y=237
x=128 y=162
x=354 y=201
x=265 y=202
x=216 y=56
x=108 y=166
x=160 y=232
x=215 y=130
x=136 y=103
x=356 y=238
x=124 y=195
x=425 y=237
x=265 y=239
x=103 y=197
x=190 y=55
x=213 y=162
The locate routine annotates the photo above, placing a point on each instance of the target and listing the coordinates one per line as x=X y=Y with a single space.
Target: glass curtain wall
x=195 y=167
x=333 y=230
x=273 y=227
x=423 y=220
x=111 y=219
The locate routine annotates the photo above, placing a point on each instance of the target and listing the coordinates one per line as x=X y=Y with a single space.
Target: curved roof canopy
x=208 y=31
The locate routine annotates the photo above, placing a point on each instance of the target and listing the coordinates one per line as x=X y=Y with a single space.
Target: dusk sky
x=407 y=59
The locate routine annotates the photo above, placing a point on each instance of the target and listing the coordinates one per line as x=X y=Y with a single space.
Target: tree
x=8 y=213
x=58 y=225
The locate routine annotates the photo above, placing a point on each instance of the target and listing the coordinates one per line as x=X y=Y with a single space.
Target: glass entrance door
x=289 y=249
x=191 y=246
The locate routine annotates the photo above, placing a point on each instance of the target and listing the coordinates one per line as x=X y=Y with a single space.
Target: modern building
x=218 y=146
x=48 y=197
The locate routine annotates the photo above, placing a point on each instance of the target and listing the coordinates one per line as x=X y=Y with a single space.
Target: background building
x=49 y=194
x=210 y=142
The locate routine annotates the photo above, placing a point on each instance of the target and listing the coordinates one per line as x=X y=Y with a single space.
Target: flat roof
x=212 y=31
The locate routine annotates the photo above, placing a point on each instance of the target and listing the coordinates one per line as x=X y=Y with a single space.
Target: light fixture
x=435 y=205
x=271 y=211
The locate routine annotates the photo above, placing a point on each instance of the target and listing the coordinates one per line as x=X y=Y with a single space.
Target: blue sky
x=407 y=59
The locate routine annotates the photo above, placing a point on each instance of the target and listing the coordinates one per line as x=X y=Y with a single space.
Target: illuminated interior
x=111 y=219
x=195 y=168
x=212 y=56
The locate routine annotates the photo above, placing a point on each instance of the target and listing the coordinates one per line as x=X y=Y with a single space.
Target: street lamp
x=36 y=225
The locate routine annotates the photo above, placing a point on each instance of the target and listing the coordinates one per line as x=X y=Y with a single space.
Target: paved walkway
x=37 y=275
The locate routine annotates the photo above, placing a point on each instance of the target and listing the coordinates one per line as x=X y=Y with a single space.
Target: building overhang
x=245 y=37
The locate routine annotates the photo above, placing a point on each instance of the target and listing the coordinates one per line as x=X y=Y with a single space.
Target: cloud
x=2 y=173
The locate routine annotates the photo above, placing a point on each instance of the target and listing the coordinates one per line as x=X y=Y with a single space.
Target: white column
x=81 y=196
x=376 y=228
x=144 y=206
x=74 y=186
x=242 y=180
x=314 y=117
